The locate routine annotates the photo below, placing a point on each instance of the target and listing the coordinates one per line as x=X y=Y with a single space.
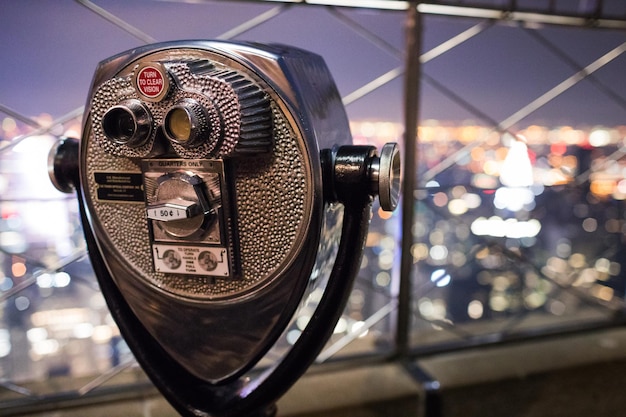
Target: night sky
x=49 y=51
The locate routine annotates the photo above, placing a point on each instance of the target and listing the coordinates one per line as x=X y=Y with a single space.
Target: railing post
x=411 y=105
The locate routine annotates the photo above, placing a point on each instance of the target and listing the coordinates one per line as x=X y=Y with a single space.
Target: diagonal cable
x=373 y=38
x=602 y=164
x=424 y=58
x=120 y=23
x=44 y=129
x=353 y=334
x=74 y=257
x=10 y=386
x=104 y=377
x=525 y=111
x=253 y=23
x=18 y=116
x=444 y=324
x=564 y=86
x=605 y=89
x=372 y=85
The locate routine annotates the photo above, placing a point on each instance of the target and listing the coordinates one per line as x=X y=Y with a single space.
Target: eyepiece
x=128 y=123
x=186 y=123
x=179 y=124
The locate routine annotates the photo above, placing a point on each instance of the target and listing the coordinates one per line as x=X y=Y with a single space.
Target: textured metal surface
x=237 y=109
x=271 y=196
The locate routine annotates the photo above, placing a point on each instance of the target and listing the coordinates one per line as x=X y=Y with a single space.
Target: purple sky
x=49 y=51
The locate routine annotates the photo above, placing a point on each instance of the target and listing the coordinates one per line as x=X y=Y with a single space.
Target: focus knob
x=386 y=175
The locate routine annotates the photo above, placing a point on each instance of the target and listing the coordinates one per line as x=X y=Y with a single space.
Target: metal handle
x=352 y=172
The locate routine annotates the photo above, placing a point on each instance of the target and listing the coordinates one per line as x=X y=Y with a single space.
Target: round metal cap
x=389 y=177
x=63 y=164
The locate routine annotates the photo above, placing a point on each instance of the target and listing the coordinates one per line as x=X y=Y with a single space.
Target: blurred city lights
x=498 y=192
x=516 y=170
x=475 y=309
x=511 y=228
x=57 y=280
x=440 y=277
x=599 y=137
x=18 y=269
x=36 y=334
x=514 y=199
x=5 y=343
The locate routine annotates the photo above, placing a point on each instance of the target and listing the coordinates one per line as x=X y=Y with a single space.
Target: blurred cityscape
x=515 y=233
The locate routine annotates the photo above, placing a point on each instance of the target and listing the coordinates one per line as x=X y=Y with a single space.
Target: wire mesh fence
x=517 y=225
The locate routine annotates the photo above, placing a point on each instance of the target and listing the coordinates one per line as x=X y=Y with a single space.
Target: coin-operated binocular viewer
x=217 y=186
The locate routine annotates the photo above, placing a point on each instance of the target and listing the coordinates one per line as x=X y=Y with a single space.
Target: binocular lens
x=178 y=125
x=187 y=123
x=127 y=124
x=119 y=124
